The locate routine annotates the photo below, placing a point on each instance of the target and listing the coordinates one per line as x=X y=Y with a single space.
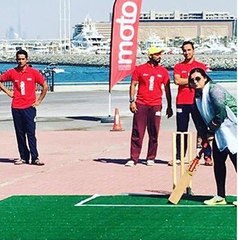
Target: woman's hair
x=198 y=70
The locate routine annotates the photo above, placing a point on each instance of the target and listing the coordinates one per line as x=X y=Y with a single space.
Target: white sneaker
x=19 y=162
x=235 y=203
x=170 y=163
x=130 y=163
x=150 y=162
x=178 y=161
x=217 y=200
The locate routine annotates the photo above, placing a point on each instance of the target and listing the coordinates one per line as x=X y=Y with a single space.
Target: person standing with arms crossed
x=147 y=105
x=24 y=103
x=185 y=102
x=218 y=108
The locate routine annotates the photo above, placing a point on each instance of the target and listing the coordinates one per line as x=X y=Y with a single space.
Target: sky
x=40 y=19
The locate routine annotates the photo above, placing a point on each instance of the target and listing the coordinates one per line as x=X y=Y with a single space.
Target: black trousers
x=25 y=126
x=183 y=112
x=220 y=167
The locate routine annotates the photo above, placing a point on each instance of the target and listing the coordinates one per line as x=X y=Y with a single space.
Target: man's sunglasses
x=197 y=79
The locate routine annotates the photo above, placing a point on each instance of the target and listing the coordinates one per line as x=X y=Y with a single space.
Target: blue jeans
x=25 y=126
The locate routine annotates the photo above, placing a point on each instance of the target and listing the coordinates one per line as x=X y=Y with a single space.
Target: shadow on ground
x=85 y=118
x=123 y=161
x=161 y=194
x=8 y=160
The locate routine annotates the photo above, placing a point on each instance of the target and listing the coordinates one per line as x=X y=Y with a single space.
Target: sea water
x=91 y=75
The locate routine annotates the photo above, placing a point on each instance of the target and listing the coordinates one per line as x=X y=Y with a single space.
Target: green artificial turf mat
x=132 y=217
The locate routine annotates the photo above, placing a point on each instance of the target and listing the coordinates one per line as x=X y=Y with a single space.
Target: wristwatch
x=131 y=100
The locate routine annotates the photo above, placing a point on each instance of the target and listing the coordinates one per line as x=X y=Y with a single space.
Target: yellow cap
x=153 y=50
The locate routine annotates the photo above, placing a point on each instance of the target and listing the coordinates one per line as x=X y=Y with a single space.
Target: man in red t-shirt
x=147 y=105
x=185 y=101
x=24 y=103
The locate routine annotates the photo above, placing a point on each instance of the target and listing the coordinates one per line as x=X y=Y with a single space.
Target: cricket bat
x=184 y=181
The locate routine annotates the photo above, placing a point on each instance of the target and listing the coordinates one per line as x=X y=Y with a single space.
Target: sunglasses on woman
x=197 y=79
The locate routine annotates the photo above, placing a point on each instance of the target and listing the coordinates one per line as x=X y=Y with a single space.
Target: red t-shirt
x=24 y=85
x=186 y=95
x=150 y=80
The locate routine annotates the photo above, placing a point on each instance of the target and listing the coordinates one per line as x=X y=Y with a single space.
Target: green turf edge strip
x=87 y=200
x=131 y=205
x=94 y=196
x=5 y=198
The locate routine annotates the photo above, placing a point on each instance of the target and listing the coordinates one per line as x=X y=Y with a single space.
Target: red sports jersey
x=150 y=80
x=24 y=85
x=186 y=95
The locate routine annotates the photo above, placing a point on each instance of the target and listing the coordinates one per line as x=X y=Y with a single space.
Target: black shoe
x=37 y=162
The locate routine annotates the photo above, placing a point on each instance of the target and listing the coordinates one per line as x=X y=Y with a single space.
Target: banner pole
x=124 y=33
x=110 y=119
x=109 y=104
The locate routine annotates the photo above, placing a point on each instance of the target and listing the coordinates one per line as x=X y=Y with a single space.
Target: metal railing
x=49 y=75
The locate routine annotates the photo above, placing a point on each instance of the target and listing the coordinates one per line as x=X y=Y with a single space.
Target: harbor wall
x=216 y=61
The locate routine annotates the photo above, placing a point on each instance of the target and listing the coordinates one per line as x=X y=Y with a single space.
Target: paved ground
x=83 y=156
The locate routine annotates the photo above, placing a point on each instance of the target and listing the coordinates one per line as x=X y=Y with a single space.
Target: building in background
x=170 y=25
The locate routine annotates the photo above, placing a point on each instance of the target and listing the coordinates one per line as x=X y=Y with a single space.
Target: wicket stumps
x=184 y=157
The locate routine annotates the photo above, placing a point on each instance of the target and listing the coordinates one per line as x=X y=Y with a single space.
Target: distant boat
x=54 y=68
x=90 y=40
x=156 y=41
x=214 y=46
